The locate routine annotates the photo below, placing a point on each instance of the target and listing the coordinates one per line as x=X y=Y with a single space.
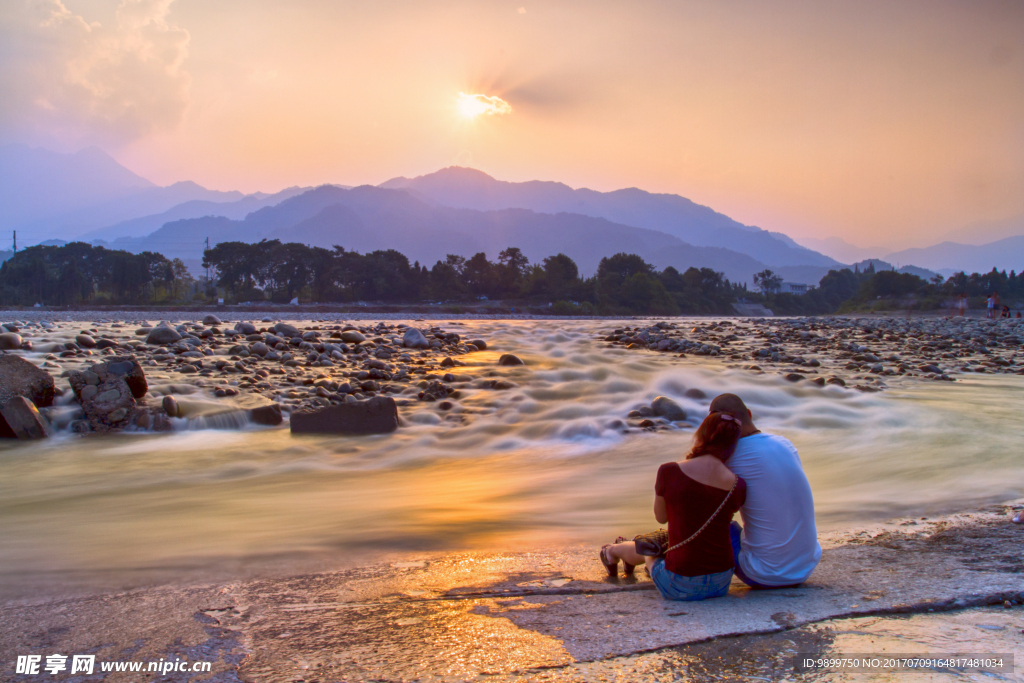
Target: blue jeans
x=735 y=531
x=674 y=586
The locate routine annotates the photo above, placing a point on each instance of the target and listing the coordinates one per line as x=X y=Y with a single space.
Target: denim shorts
x=674 y=586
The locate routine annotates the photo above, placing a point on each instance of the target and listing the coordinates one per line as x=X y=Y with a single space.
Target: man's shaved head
x=733 y=405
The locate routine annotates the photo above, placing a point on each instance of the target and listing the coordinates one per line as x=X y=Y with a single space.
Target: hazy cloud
x=83 y=80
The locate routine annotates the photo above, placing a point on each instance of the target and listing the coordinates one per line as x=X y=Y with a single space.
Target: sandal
x=612 y=567
x=627 y=568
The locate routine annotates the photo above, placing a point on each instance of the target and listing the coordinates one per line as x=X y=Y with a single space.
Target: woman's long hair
x=717 y=435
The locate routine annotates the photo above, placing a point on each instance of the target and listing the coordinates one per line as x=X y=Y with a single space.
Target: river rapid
x=543 y=463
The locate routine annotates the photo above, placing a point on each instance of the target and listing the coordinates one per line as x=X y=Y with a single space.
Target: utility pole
x=204 y=258
x=15 y=243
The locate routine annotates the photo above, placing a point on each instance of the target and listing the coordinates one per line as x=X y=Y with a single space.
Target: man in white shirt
x=777 y=547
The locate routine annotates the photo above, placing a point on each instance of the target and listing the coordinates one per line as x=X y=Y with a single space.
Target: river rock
x=170 y=406
x=245 y=328
x=108 y=405
x=116 y=366
x=19 y=377
x=479 y=343
x=509 y=359
x=19 y=419
x=10 y=341
x=352 y=337
x=414 y=339
x=696 y=393
x=85 y=341
x=378 y=415
x=105 y=344
x=285 y=330
x=211 y=320
x=266 y=415
x=665 y=407
x=161 y=335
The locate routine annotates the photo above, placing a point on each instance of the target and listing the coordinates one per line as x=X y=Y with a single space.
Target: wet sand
x=548 y=615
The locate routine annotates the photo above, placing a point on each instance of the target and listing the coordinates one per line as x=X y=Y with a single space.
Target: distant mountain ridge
x=697 y=225
x=371 y=218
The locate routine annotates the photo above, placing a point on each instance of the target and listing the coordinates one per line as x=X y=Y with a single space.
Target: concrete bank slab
x=462 y=616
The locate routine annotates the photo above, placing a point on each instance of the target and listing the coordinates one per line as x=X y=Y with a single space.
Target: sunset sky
x=883 y=123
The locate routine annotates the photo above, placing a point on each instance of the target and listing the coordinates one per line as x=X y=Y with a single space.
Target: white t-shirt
x=779 y=545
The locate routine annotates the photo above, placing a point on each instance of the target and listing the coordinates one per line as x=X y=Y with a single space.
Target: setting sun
x=471 y=106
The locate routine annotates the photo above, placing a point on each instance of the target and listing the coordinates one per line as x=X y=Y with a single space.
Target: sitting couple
x=732 y=466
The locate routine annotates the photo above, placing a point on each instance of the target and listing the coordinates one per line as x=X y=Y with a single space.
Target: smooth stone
x=162 y=335
x=85 y=340
x=509 y=359
x=20 y=419
x=170 y=406
x=245 y=328
x=668 y=409
x=695 y=393
x=287 y=331
x=378 y=415
x=414 y=339
x=795 y=377
x=352 y=337
x=10 y=341
x=211 y=320
x=19 y=377
x=106 y=344
x=479 y=343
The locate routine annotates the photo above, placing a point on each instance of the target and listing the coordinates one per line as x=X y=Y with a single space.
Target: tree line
x=624 y=284
x=77 y=273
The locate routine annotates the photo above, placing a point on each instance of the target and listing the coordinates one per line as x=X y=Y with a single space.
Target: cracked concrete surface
x=542 y=615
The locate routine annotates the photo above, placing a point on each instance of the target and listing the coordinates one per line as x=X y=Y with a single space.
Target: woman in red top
x=697 y=498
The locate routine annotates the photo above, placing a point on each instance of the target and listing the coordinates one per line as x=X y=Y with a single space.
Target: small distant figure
x=1006 y=312
x=1018 y=314
x=962 y=305
x=991 y=304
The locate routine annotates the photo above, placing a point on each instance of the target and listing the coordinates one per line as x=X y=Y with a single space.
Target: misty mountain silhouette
x=692 y=223
x=371 y=218
x=52 y=195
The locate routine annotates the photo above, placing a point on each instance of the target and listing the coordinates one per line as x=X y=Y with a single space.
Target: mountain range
x=89 y=196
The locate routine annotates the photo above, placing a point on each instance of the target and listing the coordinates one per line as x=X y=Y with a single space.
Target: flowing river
x=540 y=464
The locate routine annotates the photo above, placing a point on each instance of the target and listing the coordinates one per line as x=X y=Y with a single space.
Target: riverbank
x=552 y=614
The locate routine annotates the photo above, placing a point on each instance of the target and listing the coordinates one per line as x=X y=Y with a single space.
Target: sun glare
x=472 y=106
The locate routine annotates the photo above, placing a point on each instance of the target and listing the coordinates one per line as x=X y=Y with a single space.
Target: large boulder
x=414 y=339
x=378 y=415
x=19 y=377
x=108 y=405
x=116 y=366
x=161 y=335
x=10 y=341
x=19 y=419
x=668 y=409
x=266 y=415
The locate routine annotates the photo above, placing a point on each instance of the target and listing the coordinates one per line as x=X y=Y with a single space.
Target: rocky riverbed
x=271 y=363
x=865 y=354
x=272 y=368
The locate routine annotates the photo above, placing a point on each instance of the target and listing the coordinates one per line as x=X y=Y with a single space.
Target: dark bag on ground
x=652 y=544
